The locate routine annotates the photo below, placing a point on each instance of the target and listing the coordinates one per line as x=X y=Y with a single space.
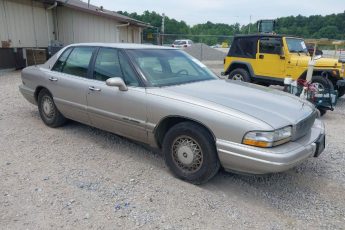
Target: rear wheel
x=50 y=115
x=239 y=75
x=190 y=153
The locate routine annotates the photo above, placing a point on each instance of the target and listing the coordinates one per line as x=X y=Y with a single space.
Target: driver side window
x=270 y=46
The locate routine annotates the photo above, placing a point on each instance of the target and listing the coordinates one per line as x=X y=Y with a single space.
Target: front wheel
x=322 y=83
x=190 y=153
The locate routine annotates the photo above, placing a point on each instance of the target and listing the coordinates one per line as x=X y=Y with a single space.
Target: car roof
x=182 y=40
x=123 y=46
x=263 y=35
x=258 y=35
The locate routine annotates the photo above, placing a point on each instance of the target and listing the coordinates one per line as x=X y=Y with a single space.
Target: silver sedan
x=165 y=98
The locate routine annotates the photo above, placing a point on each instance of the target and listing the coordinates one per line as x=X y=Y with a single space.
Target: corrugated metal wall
x=76 y=26
x=26 y=23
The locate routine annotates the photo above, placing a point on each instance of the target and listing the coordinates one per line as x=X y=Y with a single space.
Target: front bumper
x=254 y=160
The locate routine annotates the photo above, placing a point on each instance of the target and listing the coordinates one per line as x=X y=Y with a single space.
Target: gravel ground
x=203 y=52
x=79 y=177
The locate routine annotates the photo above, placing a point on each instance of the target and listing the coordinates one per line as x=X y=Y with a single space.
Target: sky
x=225 y=11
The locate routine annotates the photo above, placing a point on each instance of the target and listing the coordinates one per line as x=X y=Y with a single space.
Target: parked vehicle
x=182 y=43
x=268 y=59
x=167 y=99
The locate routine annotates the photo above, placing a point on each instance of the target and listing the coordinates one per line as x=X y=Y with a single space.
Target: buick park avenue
x=167 y=99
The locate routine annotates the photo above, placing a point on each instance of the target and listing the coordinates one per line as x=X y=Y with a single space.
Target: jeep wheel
x=322 y=83
x=239 y=75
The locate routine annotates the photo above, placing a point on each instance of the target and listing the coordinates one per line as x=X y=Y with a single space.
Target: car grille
x=304 y=126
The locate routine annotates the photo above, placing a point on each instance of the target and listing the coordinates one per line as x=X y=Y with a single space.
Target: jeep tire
x=239 y=75
x=323 y=82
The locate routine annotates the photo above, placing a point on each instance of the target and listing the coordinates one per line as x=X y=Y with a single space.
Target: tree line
x=315 y=26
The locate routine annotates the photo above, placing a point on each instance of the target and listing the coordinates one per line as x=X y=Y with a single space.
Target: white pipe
x=123 y=25
x=52 y=6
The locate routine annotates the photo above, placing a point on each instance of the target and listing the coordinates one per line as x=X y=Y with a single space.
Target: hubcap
x=238 y=77
x=187 y=154
x=319 y=87
x=47 y=107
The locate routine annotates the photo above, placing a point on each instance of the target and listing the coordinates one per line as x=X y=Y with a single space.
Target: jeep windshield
x=296 y=45
x=164 y=67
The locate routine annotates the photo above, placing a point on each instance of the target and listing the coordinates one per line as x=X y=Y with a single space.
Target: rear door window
x=62 y=60
x=78 y=61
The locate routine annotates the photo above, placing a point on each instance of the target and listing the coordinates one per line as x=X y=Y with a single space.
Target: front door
x=121 y=112
x=269 y=59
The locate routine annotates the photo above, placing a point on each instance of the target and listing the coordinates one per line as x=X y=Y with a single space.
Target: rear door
x=121 y=112
x=270 y=62
x=69 y=82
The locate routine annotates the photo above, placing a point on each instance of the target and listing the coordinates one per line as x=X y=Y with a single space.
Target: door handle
x=261 y=56
x=92 y=88
x=53 y=79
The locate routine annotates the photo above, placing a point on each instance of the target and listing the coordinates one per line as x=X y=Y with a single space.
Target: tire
x=341 y=91
x=322 y=112
x=180 y=158
x=323 y=82
x=239 y=75
x=49 y=113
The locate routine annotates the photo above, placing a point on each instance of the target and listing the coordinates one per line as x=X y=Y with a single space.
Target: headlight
x=267 y=139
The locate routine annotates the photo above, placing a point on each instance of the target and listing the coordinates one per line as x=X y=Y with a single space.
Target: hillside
x=315 y=26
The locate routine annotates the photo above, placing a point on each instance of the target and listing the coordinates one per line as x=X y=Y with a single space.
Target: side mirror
x=116 y=81
x=317 y=57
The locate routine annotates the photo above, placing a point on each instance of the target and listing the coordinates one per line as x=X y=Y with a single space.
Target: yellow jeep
x=267 y=59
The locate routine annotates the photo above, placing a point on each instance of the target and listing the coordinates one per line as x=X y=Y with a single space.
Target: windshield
x=163 y=67
x=296 y=45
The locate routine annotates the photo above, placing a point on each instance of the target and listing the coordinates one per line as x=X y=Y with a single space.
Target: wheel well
x=237 y=66
x=322 y=73
x=37 y=91
x=168 y=122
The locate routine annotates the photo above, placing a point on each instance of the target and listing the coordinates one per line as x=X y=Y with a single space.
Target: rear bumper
x=247 y=159
x=28 y=94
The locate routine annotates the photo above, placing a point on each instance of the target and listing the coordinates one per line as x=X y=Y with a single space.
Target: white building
x=27 y=24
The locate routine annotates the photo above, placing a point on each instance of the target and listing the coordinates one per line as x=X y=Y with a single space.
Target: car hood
x=275 y=108
x=322 y=62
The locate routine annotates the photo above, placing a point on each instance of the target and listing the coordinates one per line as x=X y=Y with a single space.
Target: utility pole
x=162 y=29
x=250 y=21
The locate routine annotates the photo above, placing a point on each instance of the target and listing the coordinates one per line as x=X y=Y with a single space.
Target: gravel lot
x=79 y=177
